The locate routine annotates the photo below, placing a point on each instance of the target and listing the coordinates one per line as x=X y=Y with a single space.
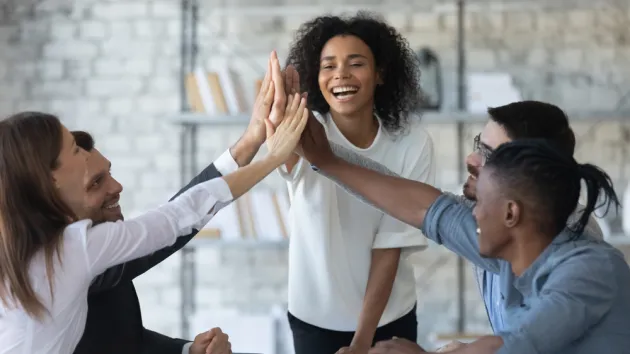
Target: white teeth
x=341 y=89
x=115 y=205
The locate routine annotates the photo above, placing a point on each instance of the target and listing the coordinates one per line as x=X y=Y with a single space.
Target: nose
x=473 y=159
x=342 y=72
x=117 y=187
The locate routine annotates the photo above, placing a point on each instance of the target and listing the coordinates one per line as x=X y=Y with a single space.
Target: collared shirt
x=87 y=250
x=574 y=299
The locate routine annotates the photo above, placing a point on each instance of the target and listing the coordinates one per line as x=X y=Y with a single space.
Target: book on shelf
x=261 y=215
x=217 y=92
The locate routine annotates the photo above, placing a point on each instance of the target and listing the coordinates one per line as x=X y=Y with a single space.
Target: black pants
x=309 y=339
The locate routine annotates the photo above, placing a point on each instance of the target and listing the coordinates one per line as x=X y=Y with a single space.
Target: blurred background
x=165 y=86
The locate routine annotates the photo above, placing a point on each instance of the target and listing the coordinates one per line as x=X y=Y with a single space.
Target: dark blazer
x=114 y=322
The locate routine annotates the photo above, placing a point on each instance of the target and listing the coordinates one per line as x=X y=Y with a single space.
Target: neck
x=525 y=249
x=360 y=128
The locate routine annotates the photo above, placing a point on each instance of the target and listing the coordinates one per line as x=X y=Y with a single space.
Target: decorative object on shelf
x=216 y=93
x=430 y=79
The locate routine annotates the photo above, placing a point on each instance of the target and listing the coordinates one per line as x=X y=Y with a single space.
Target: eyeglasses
x=481 y=149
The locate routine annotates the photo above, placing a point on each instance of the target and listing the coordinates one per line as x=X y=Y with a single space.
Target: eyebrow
x=351 y=56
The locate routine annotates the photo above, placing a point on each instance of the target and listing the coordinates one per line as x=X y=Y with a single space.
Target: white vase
x=625 y=211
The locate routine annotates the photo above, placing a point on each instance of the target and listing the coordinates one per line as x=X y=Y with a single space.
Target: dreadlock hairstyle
x=545 y=177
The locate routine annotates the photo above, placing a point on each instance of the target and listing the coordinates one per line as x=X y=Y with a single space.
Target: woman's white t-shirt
x=333 y=233
x=86 y=251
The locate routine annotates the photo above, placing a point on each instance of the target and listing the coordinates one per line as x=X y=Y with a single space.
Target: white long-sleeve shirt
x=86 y=251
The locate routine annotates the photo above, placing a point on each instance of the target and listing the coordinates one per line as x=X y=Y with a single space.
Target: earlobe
x=512 y=213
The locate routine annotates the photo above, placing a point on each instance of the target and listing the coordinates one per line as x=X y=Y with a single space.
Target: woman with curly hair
x=350 y=280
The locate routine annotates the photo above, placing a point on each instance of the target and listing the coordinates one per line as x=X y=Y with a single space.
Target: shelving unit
x=190 y=122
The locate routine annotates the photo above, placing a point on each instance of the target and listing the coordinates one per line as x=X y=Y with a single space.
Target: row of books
x=260 y=214
x=219 y=92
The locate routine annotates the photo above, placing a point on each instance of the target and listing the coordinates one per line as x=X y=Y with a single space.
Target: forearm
x=246 y=177
x=244 y=150
x=383 y=269
x=405 y=200
x=484 y=345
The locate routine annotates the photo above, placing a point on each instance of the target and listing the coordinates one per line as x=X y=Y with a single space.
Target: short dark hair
x=549 y=180
x=400 y=93
x=84 y=140
x=535 y=120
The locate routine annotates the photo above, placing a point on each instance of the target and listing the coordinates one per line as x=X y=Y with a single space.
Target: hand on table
x=450 y=347
x=397 y=346
x=213 y=341
x=353 y=350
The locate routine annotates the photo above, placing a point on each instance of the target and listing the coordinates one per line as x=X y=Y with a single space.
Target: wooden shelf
x=201 y=119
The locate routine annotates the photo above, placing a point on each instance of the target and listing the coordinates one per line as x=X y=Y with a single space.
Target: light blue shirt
x=493 y=299
x=574 y=299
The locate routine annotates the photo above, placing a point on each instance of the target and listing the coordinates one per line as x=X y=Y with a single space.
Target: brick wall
x=111 y=67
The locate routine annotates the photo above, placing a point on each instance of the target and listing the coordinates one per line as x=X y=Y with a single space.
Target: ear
x=512 y=214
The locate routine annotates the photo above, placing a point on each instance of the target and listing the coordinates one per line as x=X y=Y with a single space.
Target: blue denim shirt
x=574 y=299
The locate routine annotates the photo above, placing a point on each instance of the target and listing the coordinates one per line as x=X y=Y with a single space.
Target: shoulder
x=583 y=259
x=413 y=138
x=77 y=230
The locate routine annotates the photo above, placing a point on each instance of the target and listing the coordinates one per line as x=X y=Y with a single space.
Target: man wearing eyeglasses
x=519 y=120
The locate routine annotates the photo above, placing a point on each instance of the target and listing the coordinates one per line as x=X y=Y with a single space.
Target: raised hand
x=256 y=131
x=314 y=145
x=291 y=80
x=281 y=141
x=280 y=97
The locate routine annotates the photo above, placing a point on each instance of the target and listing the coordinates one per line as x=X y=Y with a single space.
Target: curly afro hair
x=400 y=92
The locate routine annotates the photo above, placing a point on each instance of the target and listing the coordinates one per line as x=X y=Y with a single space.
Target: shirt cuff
x=226 y=164
x=186 y=348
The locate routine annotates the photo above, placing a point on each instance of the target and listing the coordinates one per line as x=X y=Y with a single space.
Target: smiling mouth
x=344 y=92
x=112 y=206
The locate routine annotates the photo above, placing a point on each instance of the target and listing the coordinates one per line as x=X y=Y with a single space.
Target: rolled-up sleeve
x=451 y=224
x=578 y=293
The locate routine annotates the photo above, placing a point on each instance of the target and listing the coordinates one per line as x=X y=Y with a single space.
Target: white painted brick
x=481 y=59
x=3 y=70
x=400 y=21
x=109 y=67
x=165 y=9
x=113 y=88
x=424 y=21
x=31 y=105
x=119 y=106
x=520 y=21
x=157 y=85
x=24 y=70
x=143 y=67
x=170 y=296
x=138 y=123
x=49 y=89
x=117 y=144
x=70 y=50
x=120 y=29
x=8 y=33
x=78 y=69
x=50 y=69
x=122 y=10
x=169 y=162
x=148 y=145
x=208 y=297
x=158 y=105
x=63 y=30
x=149 y=29
x=32 y=31
x=93 y=30
x=122 y=48
x=6 y=108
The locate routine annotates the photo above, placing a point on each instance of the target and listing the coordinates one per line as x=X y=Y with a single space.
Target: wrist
x=244 y=150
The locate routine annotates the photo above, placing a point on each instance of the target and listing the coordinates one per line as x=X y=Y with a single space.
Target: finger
x=301 y=124
x=268 y=98
x=276 y=74
x=295 y=105
x=288 y=80
x=266 y=78
x=269 y=127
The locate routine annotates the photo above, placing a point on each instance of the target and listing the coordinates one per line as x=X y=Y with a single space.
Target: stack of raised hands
x=280 y=99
